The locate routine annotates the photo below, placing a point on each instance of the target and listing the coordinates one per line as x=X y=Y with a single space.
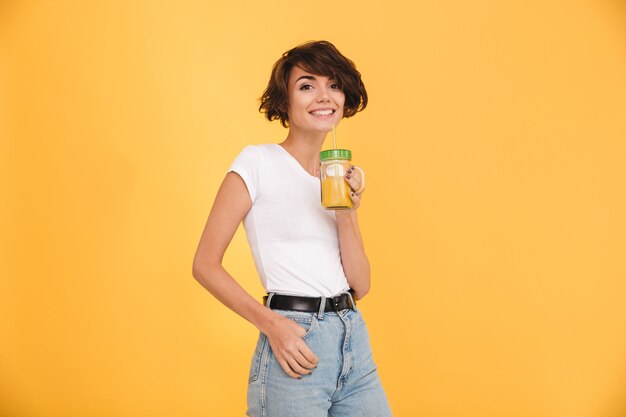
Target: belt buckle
x=337 y=299
x=351 y=303
x=335 y=302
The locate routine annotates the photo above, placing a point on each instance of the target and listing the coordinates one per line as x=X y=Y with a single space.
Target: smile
x=327 y=112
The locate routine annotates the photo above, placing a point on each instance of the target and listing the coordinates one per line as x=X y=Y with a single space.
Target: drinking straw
x=335 y=147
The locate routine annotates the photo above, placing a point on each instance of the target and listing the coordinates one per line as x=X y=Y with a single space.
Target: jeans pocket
x=308 y=321
x=308 y=325
x=255 y=366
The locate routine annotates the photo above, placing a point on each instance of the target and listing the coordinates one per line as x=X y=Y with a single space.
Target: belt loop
x=320 y=313
x=352 y=300
x=269 y=299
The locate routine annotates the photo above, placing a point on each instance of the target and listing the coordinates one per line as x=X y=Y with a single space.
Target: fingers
x=309 y=356
x=356 y=200
x=285 y=365
x=354 y=179
x=290 y=350
x=296 y=364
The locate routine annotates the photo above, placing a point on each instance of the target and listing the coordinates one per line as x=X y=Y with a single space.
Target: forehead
x=297 y=72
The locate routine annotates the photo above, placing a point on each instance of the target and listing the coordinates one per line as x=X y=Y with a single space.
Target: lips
x=323 y=112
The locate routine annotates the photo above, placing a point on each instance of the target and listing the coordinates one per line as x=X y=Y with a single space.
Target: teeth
x=322 y=112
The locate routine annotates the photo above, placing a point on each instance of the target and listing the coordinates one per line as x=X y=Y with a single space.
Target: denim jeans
x=345 y=382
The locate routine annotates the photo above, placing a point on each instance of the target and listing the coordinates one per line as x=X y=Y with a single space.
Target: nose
x=323 y=95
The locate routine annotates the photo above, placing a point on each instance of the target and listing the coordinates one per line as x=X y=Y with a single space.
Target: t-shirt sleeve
x=248 y=164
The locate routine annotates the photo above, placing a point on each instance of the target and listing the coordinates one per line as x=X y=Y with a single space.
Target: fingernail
x=352 y=194
x=348 y=176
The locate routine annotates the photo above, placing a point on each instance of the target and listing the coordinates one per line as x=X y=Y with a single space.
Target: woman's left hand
x=353 y=177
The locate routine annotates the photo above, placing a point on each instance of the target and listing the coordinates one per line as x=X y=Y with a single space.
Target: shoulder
x=249 y=154
x=259 y=149
x=259 y=152
x=265 y=149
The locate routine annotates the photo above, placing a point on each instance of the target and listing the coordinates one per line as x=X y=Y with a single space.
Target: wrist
x=342 y=215
x=267 y=320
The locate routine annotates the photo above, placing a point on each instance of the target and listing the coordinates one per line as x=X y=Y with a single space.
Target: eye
x=334 y=86
x=304 y=87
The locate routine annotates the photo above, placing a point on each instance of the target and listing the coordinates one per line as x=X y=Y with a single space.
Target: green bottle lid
x=336 y=154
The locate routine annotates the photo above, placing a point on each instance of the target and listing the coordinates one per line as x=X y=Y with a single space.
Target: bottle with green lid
x=335 y=190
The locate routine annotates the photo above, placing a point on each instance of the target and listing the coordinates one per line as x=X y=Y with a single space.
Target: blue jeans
x=344 y=384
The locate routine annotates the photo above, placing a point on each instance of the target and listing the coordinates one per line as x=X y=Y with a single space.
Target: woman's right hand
x=291 y=352
x=231 y=205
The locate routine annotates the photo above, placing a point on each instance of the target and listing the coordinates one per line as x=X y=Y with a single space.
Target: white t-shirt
x=293 y=239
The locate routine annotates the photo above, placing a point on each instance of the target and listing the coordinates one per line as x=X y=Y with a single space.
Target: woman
x=313 y=356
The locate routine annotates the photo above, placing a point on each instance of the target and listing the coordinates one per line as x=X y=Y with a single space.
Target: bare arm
x=355 y=263
x=231 y=205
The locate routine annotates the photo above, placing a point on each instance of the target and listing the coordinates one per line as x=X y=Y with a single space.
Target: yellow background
x=495 y=149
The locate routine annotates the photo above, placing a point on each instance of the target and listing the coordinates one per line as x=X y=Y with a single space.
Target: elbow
x=199 y=268
x=206 y=264
x=206 y=258
x=195 y=271
x=196 y=266
x=360 y=292
x=360 y=283
x=360 y=288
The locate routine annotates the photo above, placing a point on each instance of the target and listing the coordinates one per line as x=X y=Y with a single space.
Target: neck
x=305 y=147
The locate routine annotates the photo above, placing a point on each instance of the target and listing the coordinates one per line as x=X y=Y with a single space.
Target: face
x=315 y=101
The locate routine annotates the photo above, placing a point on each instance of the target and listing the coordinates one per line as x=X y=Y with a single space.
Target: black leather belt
x=310 y=304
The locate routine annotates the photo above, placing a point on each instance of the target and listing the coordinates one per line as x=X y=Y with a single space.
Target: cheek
x=295 y=102
x=341 y=101
x=291 y=106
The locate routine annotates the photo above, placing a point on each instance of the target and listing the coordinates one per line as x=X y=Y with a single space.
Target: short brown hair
x=320 y=58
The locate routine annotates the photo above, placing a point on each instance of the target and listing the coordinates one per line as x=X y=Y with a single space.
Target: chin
x=328 y=127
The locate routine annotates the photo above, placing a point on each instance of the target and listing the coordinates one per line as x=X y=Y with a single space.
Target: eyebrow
x=306 y=77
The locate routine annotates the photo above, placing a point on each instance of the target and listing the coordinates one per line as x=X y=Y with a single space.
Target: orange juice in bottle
x=335 y=189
